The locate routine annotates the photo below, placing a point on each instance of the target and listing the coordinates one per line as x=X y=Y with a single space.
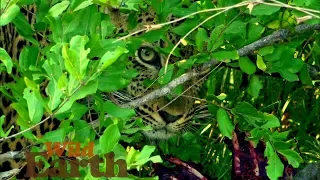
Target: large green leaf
x=58 y=8
x=110 y=57
x=34 y=105
x=216 y=38
x=275 y=167
x=75 y=57
x=246 y=65
x=116 y=111
x=144 y=156
x=54 y=93
x=110 y=138
x=262 y=9
x=9 y=15
x=293 y=157
x=254 y=117
x=225 y=55
x=201 y=38
x=28 y=57
x=225 y=125
x=237 y=28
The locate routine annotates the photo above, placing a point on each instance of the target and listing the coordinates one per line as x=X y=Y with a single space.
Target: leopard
x=166 y=116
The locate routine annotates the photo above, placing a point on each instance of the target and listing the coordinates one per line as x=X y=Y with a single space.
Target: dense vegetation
x=269 y=89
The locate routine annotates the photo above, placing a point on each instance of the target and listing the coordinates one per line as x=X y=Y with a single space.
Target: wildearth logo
x=80 y=157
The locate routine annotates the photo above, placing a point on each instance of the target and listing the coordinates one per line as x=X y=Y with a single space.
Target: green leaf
x=254 y=117
x=266 y=50
x=254 y=86
x=272 y=121
x=305 y=76
x=246 y=65
x=110 y=57
x=275 y=167
x=280 y=145
x=58 y=135
x=144 y=155
x=9 y=15
x=22 y=110
x=260 y=64
x=185 y=27
x=109 y=138
x=54 y=94
x=225 y=55
x=75 y=57
x=201 y=37
x=276 y=136
x=24 y=28
x=116 y=111
x=289 y=64
x=225 y=125
x=2 y=133
x=83 y=5
x=262 y=9
x=115 y=77
x=293 y=157
x=165 y=78
x=278 y=52
x=256 y=134
x=28 y=57
x=222 y=96
x=71 y=23
x=58 y=8
x=133 y=4
x=237 y=27
x=6 y=60
x=274 y=24
x=216 y=38
x=34 y=105
x=107 y=28
x=289 y=76
x=254 y=32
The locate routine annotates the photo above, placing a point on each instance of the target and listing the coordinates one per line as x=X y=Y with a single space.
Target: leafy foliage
x=269 y=92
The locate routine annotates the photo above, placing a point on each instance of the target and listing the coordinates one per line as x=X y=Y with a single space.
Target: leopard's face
x=166 y=117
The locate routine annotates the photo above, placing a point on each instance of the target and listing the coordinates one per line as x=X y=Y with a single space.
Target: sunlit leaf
x=58 y=8
x=6 y=60
x=9 y=15
x=275 y=167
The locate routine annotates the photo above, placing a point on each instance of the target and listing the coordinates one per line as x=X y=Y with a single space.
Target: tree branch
x=12 y=155
x=246 y=50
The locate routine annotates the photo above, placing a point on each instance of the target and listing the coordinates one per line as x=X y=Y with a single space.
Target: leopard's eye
x=147 y=54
